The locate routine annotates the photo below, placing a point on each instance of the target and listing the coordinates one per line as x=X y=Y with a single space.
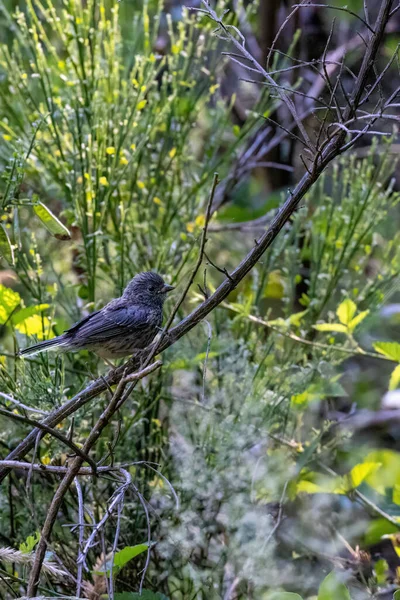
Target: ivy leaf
x=6 y=249
x=51 y=222
x=331 y=327
x=389 y=349
x=346 y=311
x=333 y=589
x=395 y=378
x=357 y=320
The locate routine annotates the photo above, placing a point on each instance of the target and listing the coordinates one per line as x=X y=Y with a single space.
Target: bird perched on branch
x=124 y=325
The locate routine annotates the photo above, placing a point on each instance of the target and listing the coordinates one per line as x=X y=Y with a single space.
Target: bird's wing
x=112 y=321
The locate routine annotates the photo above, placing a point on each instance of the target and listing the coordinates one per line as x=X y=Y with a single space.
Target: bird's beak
x=167 y=288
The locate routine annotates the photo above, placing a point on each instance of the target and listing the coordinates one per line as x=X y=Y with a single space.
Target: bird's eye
x=151 y=289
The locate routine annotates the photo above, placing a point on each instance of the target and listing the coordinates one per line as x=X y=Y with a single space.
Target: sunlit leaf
x=346 y=311
x=357 y=475
x=394 y=378
x=308 y=487
x=296 y=318
x=396 y=494
x=51 y=222
x=6 y=249
x=388 y=474
x=333 y=589
x=396 y=595
x=331 y=327
x=36 y=325
x=29 y=543
x=23 y=314
x=358 y=319
x=389 y=349
x=274 y=287
x=9 y=300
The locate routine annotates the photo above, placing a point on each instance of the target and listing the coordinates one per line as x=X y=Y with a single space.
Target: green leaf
x=388 y=474
x=357 y=475
x=346 y=311
x=122 y=557
x=396 y=595
x=6 y=249
x=23 y=314
x=396 y=494
x=29 y=543
x=376 y=529
x=394 y=378
x=9 y=300
x=126 y=554
x=51 y=222
x=296 y=318
x=331 y=327
x=333 y=589
x=358 y=319
x=389 y=349
x=283 y=596
x=381 y=569
x=146 y=595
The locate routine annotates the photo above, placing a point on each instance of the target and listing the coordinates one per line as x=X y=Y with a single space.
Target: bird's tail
x=42 y=346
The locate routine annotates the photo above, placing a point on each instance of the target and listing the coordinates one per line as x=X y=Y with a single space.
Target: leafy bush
x=109 y=146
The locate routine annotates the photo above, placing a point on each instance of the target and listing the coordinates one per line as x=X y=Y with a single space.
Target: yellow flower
x=200 y=221
x=157 y=200
x=141 y=104
x=172 y=152
x=190 y=227
x=103 y=181
x=79 y=180
x=213 y=88
x=110 y=150
x=133 y=147
x=123 y=160
x=7 y=138
x=46 y=460
x=141 y=185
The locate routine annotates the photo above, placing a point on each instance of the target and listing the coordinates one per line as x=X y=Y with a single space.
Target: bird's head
x=147 y=288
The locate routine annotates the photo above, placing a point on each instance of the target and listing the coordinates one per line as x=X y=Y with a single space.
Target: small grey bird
x=124 y=325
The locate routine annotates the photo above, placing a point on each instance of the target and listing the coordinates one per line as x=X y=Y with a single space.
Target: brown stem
x=73 y=470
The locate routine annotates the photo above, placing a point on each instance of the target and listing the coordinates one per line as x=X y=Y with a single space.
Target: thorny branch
x=335 y=143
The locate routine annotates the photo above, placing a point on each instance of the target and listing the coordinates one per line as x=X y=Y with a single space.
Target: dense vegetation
x=262 y=459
